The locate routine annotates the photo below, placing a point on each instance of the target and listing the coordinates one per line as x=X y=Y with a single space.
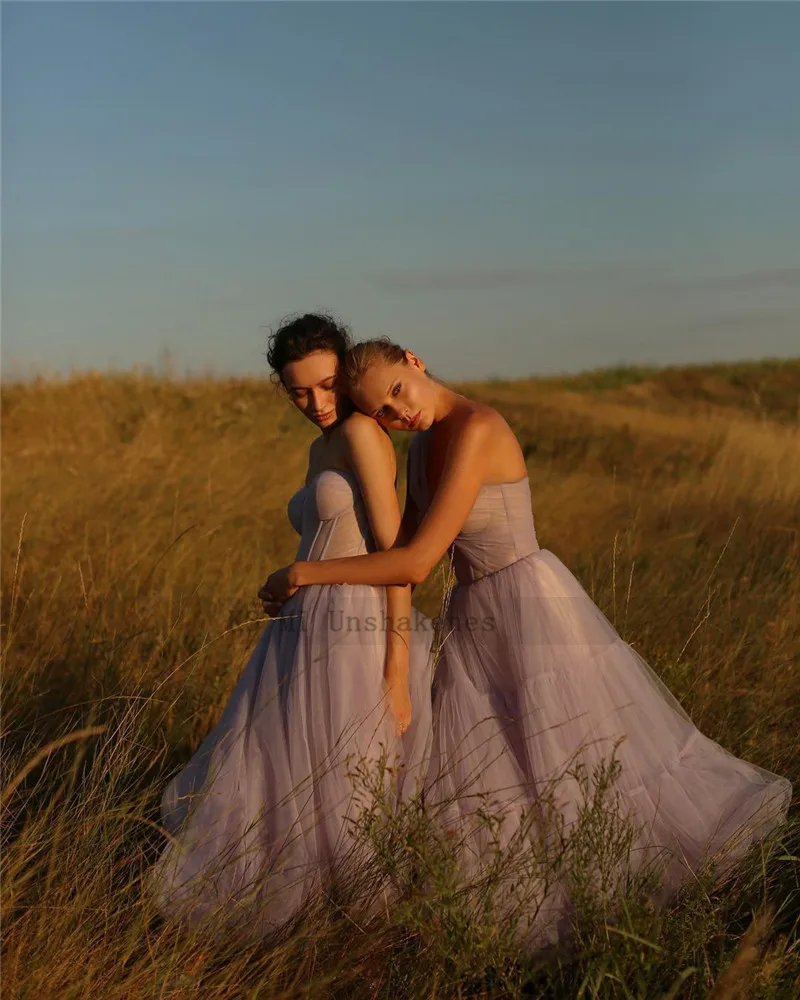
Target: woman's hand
x=397 y=692
x=268 y=603
x=277 y=590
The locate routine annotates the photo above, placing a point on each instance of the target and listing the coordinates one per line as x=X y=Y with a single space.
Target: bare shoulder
x=479 y=422
x=482 y=431
x=361 y=432
x=359 y=427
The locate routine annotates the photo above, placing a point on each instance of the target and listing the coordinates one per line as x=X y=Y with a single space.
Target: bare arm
x=371 y=456
x=462 y=477
x=410 y=520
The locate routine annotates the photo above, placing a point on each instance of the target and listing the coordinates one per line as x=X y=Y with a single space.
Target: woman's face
x=399 y=396
x=311 y=385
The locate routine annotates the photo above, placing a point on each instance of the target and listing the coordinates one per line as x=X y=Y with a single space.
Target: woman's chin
x=422 y=424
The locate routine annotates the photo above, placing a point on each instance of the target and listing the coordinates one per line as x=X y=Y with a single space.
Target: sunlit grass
x=141 y=515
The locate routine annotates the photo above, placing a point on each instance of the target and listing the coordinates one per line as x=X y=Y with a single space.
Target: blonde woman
x=533 y=678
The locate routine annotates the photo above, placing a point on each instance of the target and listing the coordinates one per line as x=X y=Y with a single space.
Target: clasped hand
x=276 y=591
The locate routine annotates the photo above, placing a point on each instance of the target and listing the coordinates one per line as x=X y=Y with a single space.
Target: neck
x=445 y=402
x=344 y=412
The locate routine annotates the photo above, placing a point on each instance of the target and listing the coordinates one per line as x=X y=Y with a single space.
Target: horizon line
x=164 y=371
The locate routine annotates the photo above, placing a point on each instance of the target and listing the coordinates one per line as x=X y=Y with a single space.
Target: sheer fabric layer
x=533 y=683
x=263 y=813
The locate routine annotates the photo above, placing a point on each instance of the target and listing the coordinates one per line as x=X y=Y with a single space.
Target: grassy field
x=139 y=517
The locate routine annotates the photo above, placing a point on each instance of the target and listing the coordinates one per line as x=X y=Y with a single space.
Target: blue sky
x=506 y=188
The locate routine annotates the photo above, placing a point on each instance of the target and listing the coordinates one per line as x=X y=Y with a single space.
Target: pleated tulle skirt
x=534 y=689
x=262 y=817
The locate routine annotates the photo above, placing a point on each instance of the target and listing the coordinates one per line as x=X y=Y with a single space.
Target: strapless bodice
x=498 y=530
x=330 y=517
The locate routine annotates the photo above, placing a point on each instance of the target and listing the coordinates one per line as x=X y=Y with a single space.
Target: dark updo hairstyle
x=300 y=336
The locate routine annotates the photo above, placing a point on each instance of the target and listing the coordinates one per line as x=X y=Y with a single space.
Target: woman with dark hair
x=340 y=680
x=533 y=682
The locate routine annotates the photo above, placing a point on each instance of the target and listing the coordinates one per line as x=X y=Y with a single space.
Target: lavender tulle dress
x=261 y=815
x=532 y=678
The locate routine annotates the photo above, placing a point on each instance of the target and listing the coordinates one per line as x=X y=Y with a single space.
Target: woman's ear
x=414 y=361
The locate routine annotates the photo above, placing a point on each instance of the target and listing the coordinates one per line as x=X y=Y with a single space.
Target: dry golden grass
x=140 y=515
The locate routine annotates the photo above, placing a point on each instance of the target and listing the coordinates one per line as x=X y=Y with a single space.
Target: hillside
x=139 y=518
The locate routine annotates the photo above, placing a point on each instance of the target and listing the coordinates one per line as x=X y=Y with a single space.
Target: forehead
x=310 y=370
